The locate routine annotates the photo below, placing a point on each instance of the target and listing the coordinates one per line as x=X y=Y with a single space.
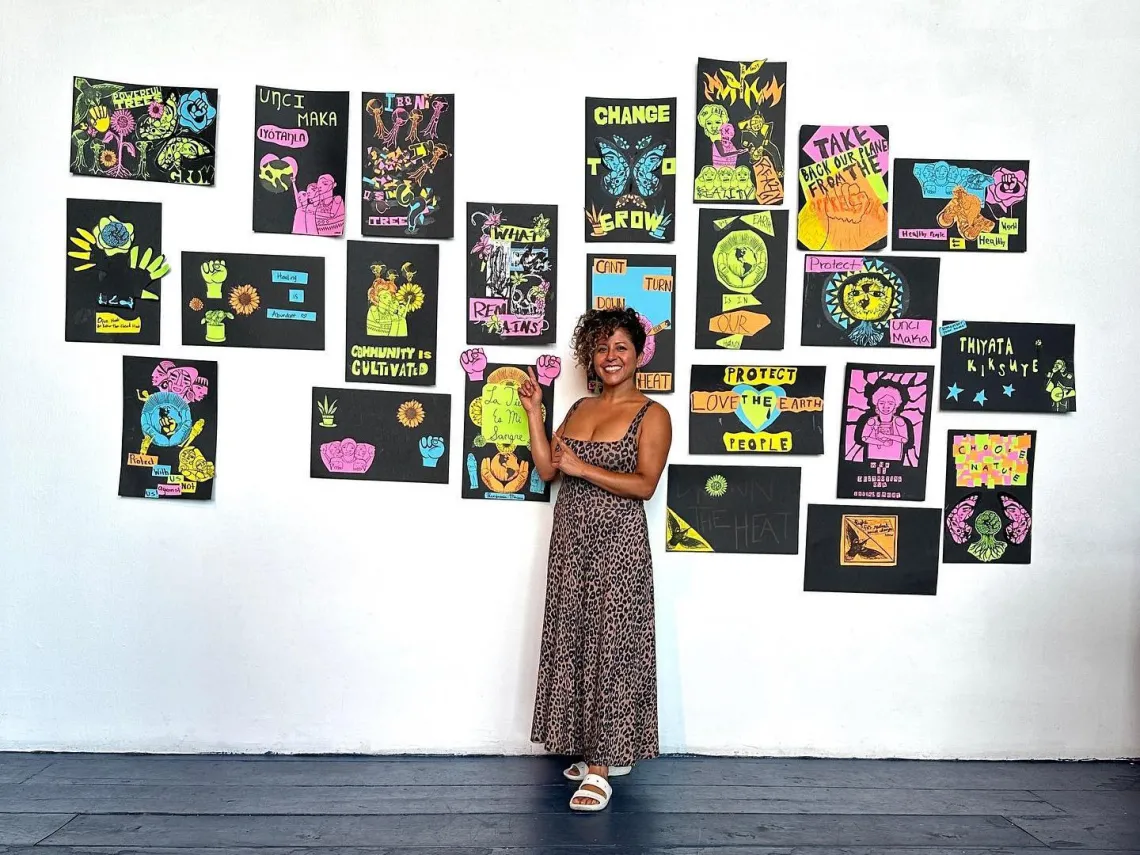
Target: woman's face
x=615 y=359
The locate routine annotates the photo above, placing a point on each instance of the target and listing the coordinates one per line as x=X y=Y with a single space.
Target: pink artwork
x=184 y=381
x=348 y=455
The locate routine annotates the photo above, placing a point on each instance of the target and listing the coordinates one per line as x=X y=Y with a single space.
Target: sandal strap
x=599 y=782
x=579 y=768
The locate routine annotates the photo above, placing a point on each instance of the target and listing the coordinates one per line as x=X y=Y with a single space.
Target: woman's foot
x=600 y=771
x=578 y=771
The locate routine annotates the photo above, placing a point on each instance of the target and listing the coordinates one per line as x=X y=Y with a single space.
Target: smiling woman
x=597 y=678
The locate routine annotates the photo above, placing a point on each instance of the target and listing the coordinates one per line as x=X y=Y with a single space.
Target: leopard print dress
x=597 y=673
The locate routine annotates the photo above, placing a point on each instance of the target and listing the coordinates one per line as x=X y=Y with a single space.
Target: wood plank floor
x=98 y=804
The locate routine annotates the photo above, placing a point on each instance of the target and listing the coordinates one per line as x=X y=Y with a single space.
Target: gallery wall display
x=496 y=462
x=241 y=300
x=885 y=433
x=115 y=268
x=631 y=170
x=741 y=127
x=300 y=161
x=989 y=497
x=1007 y=367
x=756 y=409
x=860 y=549
x=643 y=283
x=379 y=435
x=512 y=273
x=408 y=165
x=844 y=188
x=391 y=313
x=170 y=428
x=742 y=267
x=733 y=509
x=870 y=301
x=143 y=132
x=963 y=205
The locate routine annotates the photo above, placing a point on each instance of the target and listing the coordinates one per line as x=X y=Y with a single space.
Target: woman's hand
x=530 y=394
x=565 y=460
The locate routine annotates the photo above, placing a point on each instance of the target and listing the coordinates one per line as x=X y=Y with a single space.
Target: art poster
x=742 y=267
x=143 y=133
x=844 y=181
x=240 y=300
x=300 y=161
x=408 y=169
x=643 y=283
x=1008 y=367
x=885 y=434
x=379 y=435
x=872 y=550
x=631 y=170
x=741 y=509
x=170 y=428
x=756 y=409
x=391 y=313
x=115 y=268
x=496 y=461
x=870 y=301
x=989 y=497
x=740 y=133
x=512 y=272
x=968 y=205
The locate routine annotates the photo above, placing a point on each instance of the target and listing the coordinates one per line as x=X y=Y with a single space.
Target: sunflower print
x=196 y=304
x=410 y=414
x=108 y=158
x=716 y=486
x=244 y=299
x=410 y=297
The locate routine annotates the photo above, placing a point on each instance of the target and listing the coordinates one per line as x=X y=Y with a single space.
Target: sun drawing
x=244 y=299
x=196 y=304
x=716 y=486
x=410 y=414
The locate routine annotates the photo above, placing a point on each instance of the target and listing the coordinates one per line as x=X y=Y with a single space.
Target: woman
x=597 y=678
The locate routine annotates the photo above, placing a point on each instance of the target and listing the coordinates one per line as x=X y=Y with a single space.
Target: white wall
x=311 y=615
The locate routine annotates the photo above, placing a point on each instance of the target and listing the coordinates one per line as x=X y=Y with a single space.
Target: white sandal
x=599 y=800
x=580 y=770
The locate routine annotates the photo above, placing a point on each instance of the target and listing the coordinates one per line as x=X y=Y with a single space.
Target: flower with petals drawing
x=154 y=109
x=195 y=111
x=1008 y=189
x=122 y=122
x=244 y=299
x=107 y=158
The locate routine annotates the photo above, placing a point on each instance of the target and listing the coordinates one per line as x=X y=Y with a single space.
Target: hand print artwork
x=393 y=302
x=300 y=162
x=143 y=133
x=170 y=430
x=408 y=149
x=379 y=435
x=843 y=188
x=965 y=205
x=512 y=267
x=989 y=497
x=884 y=434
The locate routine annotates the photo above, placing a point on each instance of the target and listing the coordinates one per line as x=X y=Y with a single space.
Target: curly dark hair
x=599 y=324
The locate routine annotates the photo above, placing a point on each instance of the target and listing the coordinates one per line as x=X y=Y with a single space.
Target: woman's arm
x=530 y=395
x=652 y=452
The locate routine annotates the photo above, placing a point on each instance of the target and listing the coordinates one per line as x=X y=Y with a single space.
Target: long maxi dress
x=597 y=674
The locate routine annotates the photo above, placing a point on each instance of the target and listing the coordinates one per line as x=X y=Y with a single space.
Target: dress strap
x=636 y=423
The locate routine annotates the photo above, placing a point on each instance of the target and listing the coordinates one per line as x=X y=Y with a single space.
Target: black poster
x=393 y=306
x=300 y=160
x=756 y=409
x=741 y=128
x=170 y=428
x=643 y=283
x=989 y=497
x=742 y=271
x=239 y=300
x=871 y=550
x=380 y=435
x=496 y=461
x=143 y=133
x=115 y=267
x=753 y=509
x=966 y=205
x=1008 y=367
x=631 y=170
x=844 y=181
x=870 y=301
x=408 y=168
x=885 y=434
x=512 y=272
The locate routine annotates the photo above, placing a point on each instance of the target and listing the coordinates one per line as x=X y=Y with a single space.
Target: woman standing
x=597 y=677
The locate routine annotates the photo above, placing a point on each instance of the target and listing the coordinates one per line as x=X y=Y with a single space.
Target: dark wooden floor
x=60 y=804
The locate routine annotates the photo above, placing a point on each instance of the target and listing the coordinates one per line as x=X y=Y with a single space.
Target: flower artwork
x=246 y=300
x=964 y=205
x=300 y=160
x=143 y=132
